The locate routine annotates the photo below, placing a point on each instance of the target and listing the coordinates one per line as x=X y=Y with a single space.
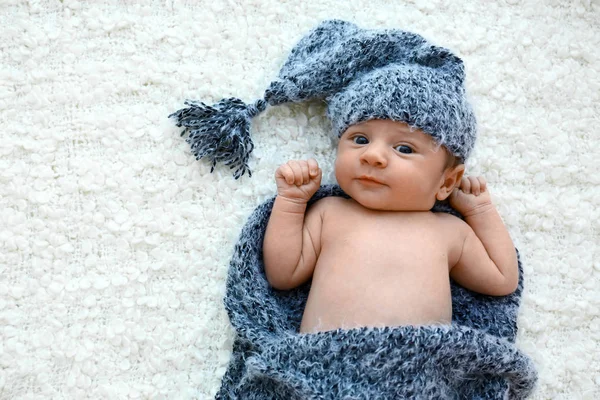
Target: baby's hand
x=298 y=180
x=471 y=197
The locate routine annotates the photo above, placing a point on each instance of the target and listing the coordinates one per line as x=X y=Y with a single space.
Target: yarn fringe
x=221 y=132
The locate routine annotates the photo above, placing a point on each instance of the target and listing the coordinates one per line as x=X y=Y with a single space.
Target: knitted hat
x=362 y=74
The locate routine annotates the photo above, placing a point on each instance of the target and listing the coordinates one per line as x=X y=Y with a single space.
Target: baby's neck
x=409 y=210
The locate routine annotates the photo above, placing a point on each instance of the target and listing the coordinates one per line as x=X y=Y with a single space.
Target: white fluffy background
x=115 y=241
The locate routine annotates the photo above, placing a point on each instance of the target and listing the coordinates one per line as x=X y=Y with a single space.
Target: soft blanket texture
x=472 y=359
x=115 y=242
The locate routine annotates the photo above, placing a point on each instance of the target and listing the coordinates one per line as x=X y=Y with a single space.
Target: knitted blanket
x=474 y=358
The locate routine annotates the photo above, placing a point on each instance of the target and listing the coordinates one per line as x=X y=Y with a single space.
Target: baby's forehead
x=398 y=128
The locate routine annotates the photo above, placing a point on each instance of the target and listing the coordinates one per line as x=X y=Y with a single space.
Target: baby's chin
x=379 y=202
x=387 y=207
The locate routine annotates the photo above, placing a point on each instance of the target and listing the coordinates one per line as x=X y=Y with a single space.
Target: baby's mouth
x=369 y=180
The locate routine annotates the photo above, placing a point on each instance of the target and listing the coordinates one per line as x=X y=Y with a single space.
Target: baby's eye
x=404 y=149
x=360 y=140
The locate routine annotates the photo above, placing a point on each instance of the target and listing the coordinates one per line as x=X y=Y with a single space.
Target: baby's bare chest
x=377 y=268
x=398 y=241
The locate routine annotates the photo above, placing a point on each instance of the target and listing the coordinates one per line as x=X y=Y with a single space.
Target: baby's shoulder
x=331 y=201
x=453 y=232
x=451 y=226
x=449 y=220
x=330 y=204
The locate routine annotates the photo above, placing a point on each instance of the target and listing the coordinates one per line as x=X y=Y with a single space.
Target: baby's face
x=407 y=166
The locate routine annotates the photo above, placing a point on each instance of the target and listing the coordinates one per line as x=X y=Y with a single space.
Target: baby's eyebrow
x=404 y=132
x=413 y=135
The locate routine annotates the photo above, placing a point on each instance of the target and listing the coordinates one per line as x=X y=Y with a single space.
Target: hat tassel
x=220 y=132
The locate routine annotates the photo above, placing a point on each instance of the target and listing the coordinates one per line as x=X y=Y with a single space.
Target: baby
x=378 y=257
x=382 y=258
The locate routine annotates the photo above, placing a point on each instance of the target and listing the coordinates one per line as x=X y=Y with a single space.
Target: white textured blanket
x=115 y=241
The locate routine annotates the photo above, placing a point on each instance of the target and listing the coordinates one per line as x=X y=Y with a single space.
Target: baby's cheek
x=340 y=169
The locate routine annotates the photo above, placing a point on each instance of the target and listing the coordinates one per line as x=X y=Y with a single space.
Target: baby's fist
x=298 y=179
x=471 y=197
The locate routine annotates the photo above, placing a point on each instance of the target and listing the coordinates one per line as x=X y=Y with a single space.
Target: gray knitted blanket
x=474 y=358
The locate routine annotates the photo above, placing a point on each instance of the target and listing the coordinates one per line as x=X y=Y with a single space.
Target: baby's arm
x=488 y=262
x=292 y=239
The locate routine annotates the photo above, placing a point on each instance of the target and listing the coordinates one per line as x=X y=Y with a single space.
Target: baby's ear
x=451 y=179
x=459 y=170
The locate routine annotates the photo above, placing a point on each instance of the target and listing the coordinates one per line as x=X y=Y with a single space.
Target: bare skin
x=382 y=258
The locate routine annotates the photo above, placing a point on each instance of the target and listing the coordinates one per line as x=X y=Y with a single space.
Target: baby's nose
x=374 y=155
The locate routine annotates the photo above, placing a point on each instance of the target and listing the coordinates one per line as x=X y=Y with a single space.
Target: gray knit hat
x=362 y=74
